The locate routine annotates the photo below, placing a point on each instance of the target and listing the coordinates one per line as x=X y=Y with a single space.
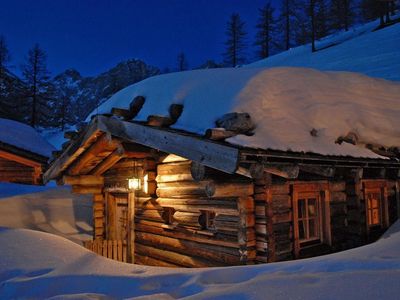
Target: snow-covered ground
x=362 y=50
x=46 y=208
x=38 y=265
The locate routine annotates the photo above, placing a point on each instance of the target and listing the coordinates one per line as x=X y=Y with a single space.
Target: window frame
x=319 y=191
x=376 y=186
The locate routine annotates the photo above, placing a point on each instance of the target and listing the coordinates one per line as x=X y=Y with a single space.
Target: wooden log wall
x=184 y=242
x=98 y=217
x=11 y=171
x=338 y=210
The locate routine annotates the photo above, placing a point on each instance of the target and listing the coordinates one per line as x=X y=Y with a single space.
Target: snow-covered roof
x=24 y=137
x=285 y=103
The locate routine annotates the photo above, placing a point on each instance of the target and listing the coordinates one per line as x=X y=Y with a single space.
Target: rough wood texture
x=285 y=171
x=83 y=180
x=218 y=156
x=219 y=134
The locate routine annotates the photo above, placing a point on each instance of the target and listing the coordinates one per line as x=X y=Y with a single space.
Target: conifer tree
x=39 y=89
x=236 y=42
x=266 y=30
x=341 y=14
x=287 y=19
x=182 y=62
x=4 y=56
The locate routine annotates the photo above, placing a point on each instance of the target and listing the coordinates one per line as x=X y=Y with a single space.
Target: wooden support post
x=131 y=227
x=246 y=230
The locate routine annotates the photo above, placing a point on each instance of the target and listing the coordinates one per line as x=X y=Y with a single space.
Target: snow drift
x=38 y=265
x=285 y=103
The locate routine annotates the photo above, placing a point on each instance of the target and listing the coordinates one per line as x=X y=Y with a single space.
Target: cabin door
x=120 y=219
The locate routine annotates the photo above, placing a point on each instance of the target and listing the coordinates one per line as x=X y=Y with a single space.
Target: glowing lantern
x=134 y=183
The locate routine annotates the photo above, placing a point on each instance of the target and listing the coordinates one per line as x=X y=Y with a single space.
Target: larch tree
x=287 y=18
x=4 y=56
x=182 y=63
x=266 y=30
x=39 y=89
x=236 y=42
x=341 y=14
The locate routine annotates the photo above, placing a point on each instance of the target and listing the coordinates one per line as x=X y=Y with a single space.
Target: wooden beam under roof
x=211 y=154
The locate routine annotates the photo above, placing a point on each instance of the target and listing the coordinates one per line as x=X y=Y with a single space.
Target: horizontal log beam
x=217 y=156
x=82 y=180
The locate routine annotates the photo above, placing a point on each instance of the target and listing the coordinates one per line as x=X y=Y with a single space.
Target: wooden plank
x=104 y=142
x=110 y=160
x=217 y=156
x=119 y=248
x=82 y=180
x=115 y=249
x=19 y=159
x=84 y=189
x=72 y=151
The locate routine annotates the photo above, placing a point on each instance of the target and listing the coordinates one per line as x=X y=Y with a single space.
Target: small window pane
x=312 y=228
x=312 y=208
x=302 y=208
x=302 y=230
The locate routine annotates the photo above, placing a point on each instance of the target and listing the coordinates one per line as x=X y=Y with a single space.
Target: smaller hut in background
x=23 y=153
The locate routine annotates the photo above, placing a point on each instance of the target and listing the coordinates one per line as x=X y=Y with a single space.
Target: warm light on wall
x=134 y=183
x=145 y=184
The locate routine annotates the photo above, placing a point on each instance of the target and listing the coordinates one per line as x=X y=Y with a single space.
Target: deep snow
x=285 y=104
x=362 y=50
x=37 y=265
x=24 y=137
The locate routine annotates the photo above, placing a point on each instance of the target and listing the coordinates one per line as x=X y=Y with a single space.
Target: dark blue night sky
x=93 y=35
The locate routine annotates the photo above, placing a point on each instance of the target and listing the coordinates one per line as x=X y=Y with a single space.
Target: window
x=311 y=215
x=374 y=210
x=376 y=205
x=308 y=217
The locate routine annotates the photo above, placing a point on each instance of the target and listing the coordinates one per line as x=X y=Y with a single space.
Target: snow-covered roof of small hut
x=24 y=137
x=285 y=103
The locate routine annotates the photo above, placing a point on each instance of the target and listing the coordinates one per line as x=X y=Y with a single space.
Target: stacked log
x=98 y=217
x=338 y=211
x=282 y=225
x=185 y=242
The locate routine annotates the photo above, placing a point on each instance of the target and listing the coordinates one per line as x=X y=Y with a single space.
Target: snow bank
x=285 y=103
x=37 y=265
x=48 y=209
x=373 y=53
x=24 y=137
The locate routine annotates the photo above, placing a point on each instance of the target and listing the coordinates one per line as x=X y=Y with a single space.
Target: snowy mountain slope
x=46 y=208
x=362 y=50
x=285 y=103
x=37 y=265
x=24 y=137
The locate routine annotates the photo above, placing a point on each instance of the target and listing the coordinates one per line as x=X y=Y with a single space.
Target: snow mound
x=24 y=137
x=48 y=209
x=38 y=265
x=373 y=53
x=285 y=103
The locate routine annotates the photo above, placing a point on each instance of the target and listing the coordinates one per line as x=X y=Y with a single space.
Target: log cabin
x=194 y=183
x=23 y=153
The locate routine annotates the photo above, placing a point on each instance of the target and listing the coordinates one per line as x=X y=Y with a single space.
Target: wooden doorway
x=120 y=220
